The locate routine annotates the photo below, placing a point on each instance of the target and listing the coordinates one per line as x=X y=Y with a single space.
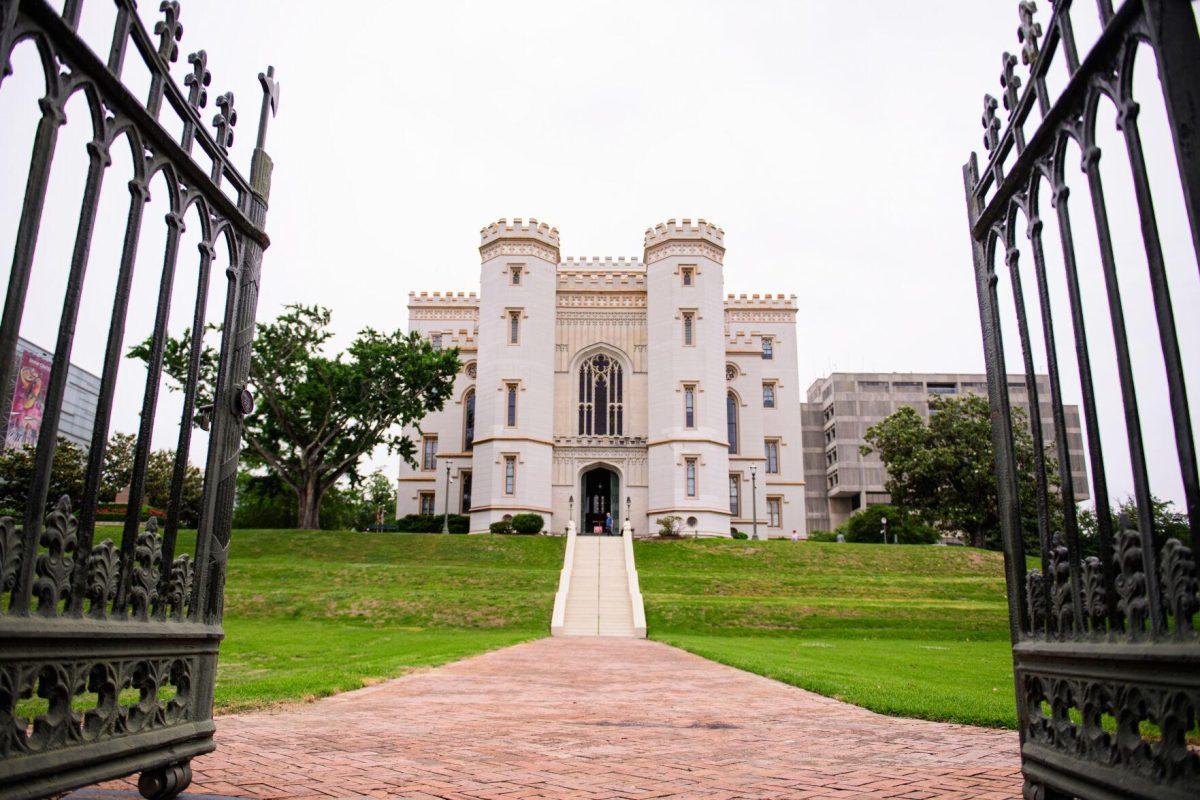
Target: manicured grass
x=308 y=614
x=913 y=631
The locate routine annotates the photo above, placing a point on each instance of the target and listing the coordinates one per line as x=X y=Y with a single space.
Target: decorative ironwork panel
x=108 y=648
x=1106 y=656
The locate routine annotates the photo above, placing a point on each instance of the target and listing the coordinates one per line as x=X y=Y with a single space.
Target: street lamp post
x=883 y=523
x=628 y=509
x=446 y=504
x=754 y=500
x=570 y=510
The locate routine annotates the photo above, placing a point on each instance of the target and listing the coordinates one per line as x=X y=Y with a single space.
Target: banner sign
x=29 y=399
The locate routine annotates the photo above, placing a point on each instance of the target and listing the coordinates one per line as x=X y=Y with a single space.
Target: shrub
x=735 y=533
x=500 y=526
x=460 y=523
x=822 y=536
x=866 y=525
x=668 y=525
x=115 y=512
x=528 y=523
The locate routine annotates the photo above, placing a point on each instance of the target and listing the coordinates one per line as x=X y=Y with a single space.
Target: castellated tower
x=514 y=431
x=688 y=449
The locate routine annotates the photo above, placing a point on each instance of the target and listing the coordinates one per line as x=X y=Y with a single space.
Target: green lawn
x=914 y=631
x=310 y=613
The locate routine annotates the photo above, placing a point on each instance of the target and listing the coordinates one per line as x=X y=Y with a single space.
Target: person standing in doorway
x=608 y=523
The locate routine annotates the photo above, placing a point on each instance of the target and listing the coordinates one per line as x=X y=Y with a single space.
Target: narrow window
x=510 y=474
x=735 y=495
x=436 y=340
x=731 y=421
x=689 y=328
x=429 y=452
x=469 y=421
x=465 y=476
x=688 y=274
x=689 y=406
x=514 y=327
x=774 y=512
x=768 y=395
x=772 y=453
x=515 y=272
x=511 y=405
x=768 y=348
x=427 y=502
x=691 y=477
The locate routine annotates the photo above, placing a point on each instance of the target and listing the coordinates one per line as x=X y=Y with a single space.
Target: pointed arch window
x=469 y=421
x=601 y=397
x=731 y=420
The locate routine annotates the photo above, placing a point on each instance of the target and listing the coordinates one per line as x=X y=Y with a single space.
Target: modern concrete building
x=634 y=387
x=24 y=399
x=844 y=405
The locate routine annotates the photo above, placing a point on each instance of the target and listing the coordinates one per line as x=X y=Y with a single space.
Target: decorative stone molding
x=588 y=300
x=518 y=248
x=684 y=238
x=699 y=249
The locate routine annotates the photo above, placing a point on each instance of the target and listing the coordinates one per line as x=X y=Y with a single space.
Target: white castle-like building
x=611 y=385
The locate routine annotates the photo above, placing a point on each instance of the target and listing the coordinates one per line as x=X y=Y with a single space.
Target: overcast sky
x=826 y=138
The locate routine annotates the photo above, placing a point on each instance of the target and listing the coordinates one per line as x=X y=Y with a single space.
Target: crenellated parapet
x=684 y=238
x=598 y=263
x=760 y=301
x=443 y=305
x=601 y=280
x=519 y=237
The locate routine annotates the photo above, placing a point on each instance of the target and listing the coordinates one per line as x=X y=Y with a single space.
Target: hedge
x=432 y=523
x=528 y=523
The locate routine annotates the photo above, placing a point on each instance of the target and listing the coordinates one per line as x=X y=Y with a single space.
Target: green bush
x=500 y=526
x=115 y=512
x=432 y=523
x=866 y=526
x=528 y=523
x=735 y=533
x=668 y=525
x=822 y=536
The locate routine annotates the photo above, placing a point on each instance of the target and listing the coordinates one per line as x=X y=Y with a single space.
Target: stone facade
x=612 y=385
x=842 y=406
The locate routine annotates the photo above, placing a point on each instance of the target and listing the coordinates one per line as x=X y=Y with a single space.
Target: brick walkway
x=590 y=718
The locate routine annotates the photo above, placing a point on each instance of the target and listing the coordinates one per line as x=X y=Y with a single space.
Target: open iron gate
x=92 y=619
x=1106 y=661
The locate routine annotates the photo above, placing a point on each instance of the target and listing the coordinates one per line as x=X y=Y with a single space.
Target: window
x=426 y=500
x=830 y=435
x=735 y=494
x=691 y=477
x=510 y=475
x=510 y=404
x=515 y=273
x=689 y=406
x=469 y=421
x=436 y=340
x=689 y=328
x=942 y=388
x=769 y=394
x=429 y=452
x=465 y=477
x=831 y=457
x=601 y=397
x=832 y=479
x=827 y=414
x=768 y=348
x=772 y=452
x=688 y=274
x=731 y=421
x=514 y=327
x=774 y=512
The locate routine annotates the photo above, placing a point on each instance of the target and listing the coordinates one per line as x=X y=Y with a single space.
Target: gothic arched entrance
x=600 y=490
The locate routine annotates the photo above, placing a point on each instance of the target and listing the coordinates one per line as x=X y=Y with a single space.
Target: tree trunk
x=308 y=506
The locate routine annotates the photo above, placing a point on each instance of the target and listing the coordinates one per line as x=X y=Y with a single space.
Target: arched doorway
x=600 y=491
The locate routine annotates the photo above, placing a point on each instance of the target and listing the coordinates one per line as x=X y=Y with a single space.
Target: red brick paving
x=598 y=718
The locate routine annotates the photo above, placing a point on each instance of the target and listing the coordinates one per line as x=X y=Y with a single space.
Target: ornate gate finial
x=224 y=121
x=1029 y=32
x=199 y=80
x=169 y=31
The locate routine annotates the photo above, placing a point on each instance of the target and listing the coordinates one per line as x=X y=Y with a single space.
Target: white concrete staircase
x=598 y=591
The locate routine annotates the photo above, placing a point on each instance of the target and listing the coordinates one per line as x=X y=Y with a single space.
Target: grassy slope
x=308 y=614
x=913 y=631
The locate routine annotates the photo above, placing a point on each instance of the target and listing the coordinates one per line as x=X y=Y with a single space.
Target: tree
x=117 y=470
x=1168 y=523
x=16 y=476
x=159 y=469
x=376 y=497
x=943 y=470
x=317 y=416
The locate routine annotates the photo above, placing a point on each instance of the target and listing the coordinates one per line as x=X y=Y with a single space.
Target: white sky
x=826 y=138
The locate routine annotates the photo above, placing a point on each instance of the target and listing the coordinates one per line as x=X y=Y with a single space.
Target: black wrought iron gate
x=1106 y=661
x=89 y=623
